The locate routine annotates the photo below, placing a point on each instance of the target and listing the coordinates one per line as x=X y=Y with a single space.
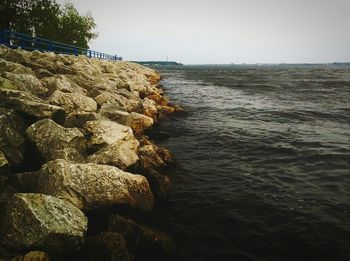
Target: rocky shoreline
x=76 y=167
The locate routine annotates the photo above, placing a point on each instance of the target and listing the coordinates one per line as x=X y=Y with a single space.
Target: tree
x=44 y=18
x=15 y=14
x=47 y=19
x=75 y=28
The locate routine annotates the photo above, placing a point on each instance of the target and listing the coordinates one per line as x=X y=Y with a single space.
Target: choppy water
x=263 y=162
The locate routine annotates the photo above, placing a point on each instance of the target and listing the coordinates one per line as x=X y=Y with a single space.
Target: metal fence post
x=50 y=46
x=75 y=51
x=1 y=38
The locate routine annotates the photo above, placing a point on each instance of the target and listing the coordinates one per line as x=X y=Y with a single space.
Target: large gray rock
x=63 y=84
x=138 y=122
x=7 y=66
x=73 y=103
x=121 y=154
x=16 y=56
x=42 y=73
x=105 y=132
x=79 y=120
x=91 y=186
x=43 y=63
x=121 y=144
x=150 y=109
x=41 y=221
x=26 y=82
x=12 y=141
x=83 y=80
x=56 y=142
x=85 y=66
x=29 y=104
x=125 y=100
x=36 y=255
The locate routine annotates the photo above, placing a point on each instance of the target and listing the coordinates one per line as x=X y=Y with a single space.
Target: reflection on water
x=263 y=162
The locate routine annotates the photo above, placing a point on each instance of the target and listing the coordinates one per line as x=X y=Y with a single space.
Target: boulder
x=153 y=157
x=83 y=80
x=61 y=68
x=123 y=99
x=6 y=84
x=79 y=120
x=153 y=78
x=26 y=82
x=105 y=132
x=12 y=141
x=152 y=160
x=142 y=241
x=108 y=82
x=66 y=59
x=138 y=122
x=85 y=66
x=150 y=109
x=121 y=144
x=121 y=154
x=63 y=84
x=42 y=221
x=36 y=256
x=56 y=142
x=91 y=186
x=166 y=109
x=42 y=73
x=107 y=246
x=158 y=99
x=17 y=56
x=7 y=66
x=35 y=54
x=155 y=89
x=73 y=103
x=29 y=104
x=43 y=63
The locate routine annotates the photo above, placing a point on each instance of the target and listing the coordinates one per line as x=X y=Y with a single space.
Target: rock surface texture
x=37 y=220
x=72 y=142
x=90 y=186
x=56 y=142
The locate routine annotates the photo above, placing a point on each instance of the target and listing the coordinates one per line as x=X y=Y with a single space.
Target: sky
x=222 y=31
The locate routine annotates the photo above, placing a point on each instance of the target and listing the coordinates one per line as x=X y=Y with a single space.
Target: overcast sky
x=222 y=31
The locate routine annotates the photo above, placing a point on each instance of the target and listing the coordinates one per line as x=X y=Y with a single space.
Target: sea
x=262 y=162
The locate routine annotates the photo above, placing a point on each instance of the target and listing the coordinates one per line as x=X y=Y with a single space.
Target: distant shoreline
x=158 y=63
x=270 y=64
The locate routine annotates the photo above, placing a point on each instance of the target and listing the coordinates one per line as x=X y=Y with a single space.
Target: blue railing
x=27 y=42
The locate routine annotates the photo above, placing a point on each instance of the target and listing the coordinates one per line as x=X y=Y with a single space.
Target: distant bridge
x=17 y=40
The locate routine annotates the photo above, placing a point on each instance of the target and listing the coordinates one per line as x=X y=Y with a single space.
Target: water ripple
x=263 y=162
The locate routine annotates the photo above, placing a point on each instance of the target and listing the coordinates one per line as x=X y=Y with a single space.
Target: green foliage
x=74 y=28
x=15 y=14
x=46 y=18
